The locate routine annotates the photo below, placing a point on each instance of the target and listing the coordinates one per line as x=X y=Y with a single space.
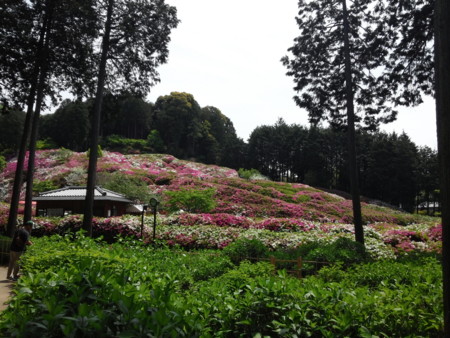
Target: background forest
x=176 y=124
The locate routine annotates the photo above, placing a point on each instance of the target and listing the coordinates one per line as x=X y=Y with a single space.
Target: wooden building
x=71 y=200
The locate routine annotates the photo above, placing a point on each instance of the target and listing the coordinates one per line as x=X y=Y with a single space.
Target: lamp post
x=144 y=209
x=154 y=204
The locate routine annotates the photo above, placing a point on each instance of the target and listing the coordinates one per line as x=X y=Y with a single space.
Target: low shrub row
x=82 y=287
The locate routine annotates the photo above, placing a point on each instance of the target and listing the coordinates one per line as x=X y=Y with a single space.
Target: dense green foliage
x=2 y=162
x=41 y=186
x=132 y=187
x=125 y=145
x=11 y=125
x=82 y=287
x=244 y=249
x=68 y=126
x=190 y=200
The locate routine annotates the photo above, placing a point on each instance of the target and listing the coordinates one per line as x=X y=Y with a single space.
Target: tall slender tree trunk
x=18 y=176
x=93 y=154
x=353 y=167
x=32 y=152
x=442 y=64
x=35 y=122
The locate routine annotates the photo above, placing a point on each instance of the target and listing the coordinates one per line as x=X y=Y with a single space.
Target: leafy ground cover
x=81 y=287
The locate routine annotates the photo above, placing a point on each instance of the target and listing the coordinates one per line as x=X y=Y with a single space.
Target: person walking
x=19 y=244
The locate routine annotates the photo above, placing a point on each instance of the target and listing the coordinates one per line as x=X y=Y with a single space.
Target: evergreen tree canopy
x=410 y=66
x=54 y=39
x=317 y=62
x=138 y=44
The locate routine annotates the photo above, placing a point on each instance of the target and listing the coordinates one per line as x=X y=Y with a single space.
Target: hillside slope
x=283 y=214
x=160 y=173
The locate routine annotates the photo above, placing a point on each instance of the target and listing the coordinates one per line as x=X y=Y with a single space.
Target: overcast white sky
x=227 y=54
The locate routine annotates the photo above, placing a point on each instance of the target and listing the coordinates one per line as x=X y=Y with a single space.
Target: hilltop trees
x=129 y=123
x=427 y=172
x=134 y=118
x=189 y=131
x=388 y=169
x=177 y=118
x=229 y=146
x=318 y=157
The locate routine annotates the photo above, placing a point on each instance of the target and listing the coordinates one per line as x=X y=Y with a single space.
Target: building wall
x=61 y=208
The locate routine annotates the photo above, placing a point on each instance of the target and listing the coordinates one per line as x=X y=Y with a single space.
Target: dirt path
x=5 y=288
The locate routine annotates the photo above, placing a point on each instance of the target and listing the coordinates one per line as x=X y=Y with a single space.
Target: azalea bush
x=109 y=229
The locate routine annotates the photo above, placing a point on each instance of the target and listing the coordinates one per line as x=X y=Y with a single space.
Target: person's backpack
x=17 y=240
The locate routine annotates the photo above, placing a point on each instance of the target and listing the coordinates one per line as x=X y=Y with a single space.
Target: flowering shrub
x=435 y=233
x=286 y=225
x=405 y=240
x=108 y=228
x=221 y=220
x=4 y=211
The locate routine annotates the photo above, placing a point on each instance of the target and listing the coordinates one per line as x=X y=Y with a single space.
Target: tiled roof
x=79 y=193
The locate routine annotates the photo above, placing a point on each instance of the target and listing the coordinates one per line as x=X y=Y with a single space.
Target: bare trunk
x=442 y=59
x=35 y=122
x=32 y=152
x=93 y=155
x=354 y=184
